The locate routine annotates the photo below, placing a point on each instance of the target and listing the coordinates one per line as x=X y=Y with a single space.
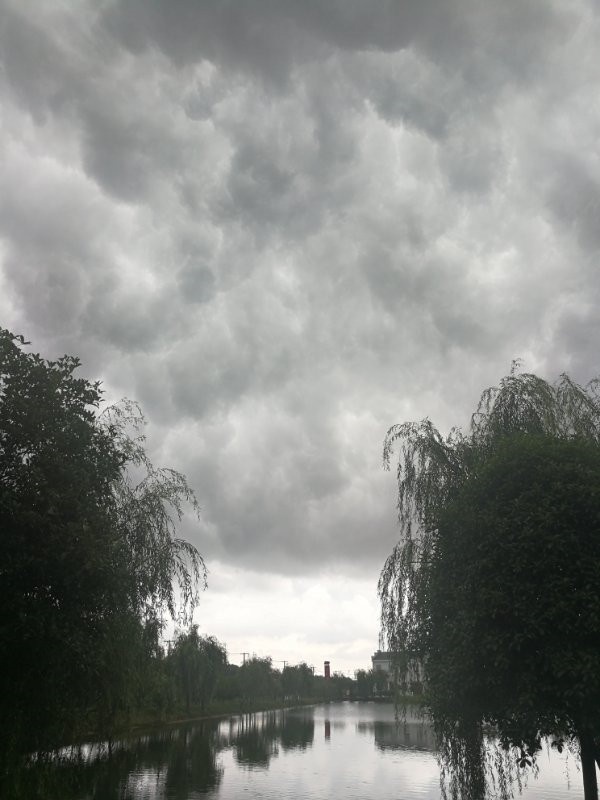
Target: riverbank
x=141 y=721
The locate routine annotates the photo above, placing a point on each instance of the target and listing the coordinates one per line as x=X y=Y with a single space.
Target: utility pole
x=243 y=655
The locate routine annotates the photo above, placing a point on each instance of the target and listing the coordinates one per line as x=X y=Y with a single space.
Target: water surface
x=350 y=750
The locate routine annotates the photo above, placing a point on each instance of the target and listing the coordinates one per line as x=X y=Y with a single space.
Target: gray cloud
x=269 y=37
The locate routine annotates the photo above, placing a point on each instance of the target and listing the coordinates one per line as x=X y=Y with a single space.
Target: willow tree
x=196 y=663
x=90 y=560
x=494 y=585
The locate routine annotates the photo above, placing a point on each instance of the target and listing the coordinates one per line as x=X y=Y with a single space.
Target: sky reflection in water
x=353 y=750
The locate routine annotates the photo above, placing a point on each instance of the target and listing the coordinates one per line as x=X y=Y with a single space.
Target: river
x=347 y=750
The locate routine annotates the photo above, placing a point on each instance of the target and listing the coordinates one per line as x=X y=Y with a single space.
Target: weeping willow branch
x=149 y=502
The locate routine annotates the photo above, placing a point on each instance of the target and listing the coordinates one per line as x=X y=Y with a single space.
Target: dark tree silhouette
x=89 y=553
x=494 y=584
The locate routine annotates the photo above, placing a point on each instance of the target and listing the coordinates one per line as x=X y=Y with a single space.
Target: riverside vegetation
x=494 y=586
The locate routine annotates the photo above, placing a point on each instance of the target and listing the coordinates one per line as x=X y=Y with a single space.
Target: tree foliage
x=89 y=547
x=258 y=679
x=148 y=504
x=297 y=681
x=197 y=661
x=494 y=582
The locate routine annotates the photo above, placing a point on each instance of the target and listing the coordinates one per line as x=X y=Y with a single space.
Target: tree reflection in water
x=177 y=762
x=475 y=766
x=400 y=735
x=192 y=765
x=182 y=760
x=256 y=738
x=298 y=730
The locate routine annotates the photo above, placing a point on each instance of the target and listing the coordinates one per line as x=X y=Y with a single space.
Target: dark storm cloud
x=492 y=42
x=284 y=226
x=269 y=36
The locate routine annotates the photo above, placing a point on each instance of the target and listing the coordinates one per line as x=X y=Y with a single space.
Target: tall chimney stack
x=327 y=670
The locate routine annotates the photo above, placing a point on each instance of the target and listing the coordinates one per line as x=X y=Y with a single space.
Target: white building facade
x=394 y=670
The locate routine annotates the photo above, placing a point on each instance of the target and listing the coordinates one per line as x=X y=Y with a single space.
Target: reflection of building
x=396 y=669
x=411 y=734
x=404 y=736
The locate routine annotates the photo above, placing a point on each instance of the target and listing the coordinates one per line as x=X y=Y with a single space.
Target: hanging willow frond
x=149 y=502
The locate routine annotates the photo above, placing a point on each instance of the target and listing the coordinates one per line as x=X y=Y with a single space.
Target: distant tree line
x=194 y=677
x=372 y=683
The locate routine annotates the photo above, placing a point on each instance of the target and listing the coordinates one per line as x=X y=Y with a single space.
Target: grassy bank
x=148 y=720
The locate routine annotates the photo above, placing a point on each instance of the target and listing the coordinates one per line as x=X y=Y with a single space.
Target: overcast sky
x=283 y=226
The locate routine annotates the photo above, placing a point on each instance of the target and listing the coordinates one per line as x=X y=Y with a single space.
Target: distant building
x=393 y=670
x=382 y=661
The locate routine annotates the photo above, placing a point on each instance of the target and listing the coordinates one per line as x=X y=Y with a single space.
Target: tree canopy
x=494 y=582
x=198 y=662
x=90 y=556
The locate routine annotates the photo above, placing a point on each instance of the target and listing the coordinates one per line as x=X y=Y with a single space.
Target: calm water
x=350 y=750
